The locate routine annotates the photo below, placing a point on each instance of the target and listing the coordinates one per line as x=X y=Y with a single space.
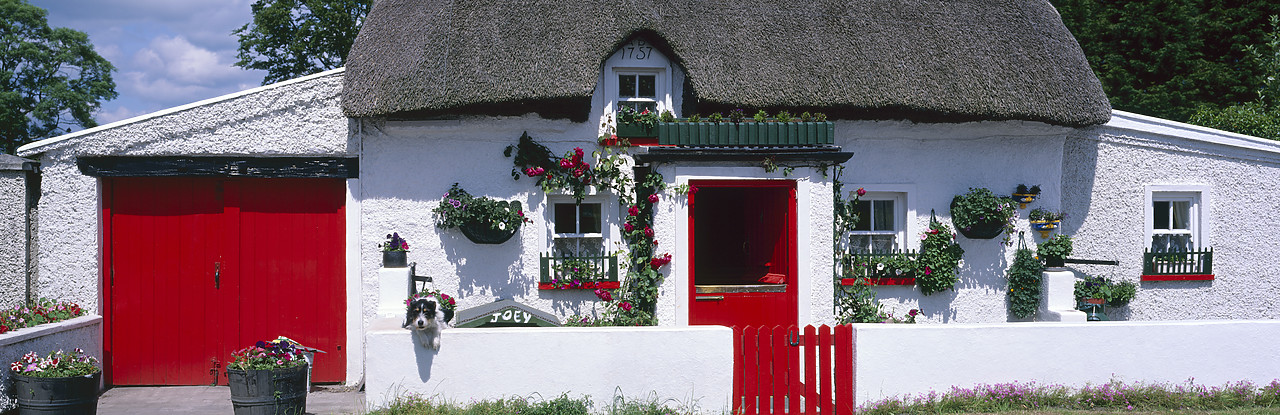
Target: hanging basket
x=983 y=230
x=69 y=395
x=267 y=392
x=482 y=233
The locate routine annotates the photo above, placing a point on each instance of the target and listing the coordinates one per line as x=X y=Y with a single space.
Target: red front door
x=198 y=267
x=743 y=261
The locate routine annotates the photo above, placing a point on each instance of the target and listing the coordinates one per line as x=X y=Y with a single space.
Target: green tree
x=1166 y=58
x=51 y=80
x=1261 y=117
x=292 y=38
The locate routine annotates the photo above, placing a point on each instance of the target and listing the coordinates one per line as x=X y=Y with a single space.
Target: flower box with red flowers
x=578 y=273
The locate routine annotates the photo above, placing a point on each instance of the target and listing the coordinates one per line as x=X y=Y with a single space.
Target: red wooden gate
x=779 y=370
x=194 y=268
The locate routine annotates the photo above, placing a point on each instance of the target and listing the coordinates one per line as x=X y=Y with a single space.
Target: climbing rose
x=862 y=192
x=629 y=227
x=648 y=231
x=633 y=211
x=604 y=295
x=653 y=198
x=625 y=306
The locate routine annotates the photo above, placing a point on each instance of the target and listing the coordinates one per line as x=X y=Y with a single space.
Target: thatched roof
x=922 y=60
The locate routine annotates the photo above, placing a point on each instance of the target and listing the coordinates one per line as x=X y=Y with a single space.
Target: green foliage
x=981 y=206
x=783 y=116
x=51 y=79
x=760 y=116
x=621 y=405
x=715 y=117
x=939 y=257
x=806 y=116
x=695 y=118
x=1058 y=246
x=459 y=207
x=293 y=38
x=1251 y=118
x=36 y=313
x=644 y=118
x=1045 y=215
x=1116 y=294
x=1167 y=58
x=667 y=116
x=1024 y=284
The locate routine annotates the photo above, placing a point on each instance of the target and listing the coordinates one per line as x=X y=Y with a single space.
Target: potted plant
x=1094 y=294
x=394 y=252
x=1024 y=195
x=481 y=219
x=1024 y=284
x=1122 y=293
x=1044 y=221
x=935 y=266
x=269 y=377
x=60 y=382
x=637 y=124
x=980 y=214
x=1054 y=251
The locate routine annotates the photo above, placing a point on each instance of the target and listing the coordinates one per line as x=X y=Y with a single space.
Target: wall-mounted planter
x=604 y=266
x=748 y=133
x=635 y=130
x=395 y=259
x=482 y=233
x=984 y=230
x=1024 y=198
x=1044 y=226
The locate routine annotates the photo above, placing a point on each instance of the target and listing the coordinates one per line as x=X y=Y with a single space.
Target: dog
x=426 y=320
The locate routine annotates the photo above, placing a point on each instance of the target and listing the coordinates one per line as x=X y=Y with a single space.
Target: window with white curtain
x=881 y=226
x=1175 y=221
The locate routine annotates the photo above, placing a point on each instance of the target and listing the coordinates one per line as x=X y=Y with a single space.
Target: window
x=638 y=91
x=880 y=228
x=578 y=230
x=1175 y=221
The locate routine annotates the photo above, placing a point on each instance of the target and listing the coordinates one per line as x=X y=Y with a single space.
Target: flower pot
x=481 y=233
x=636 y=130
x=1050 y=262
x=1024 y=198
x=69 y=395
x=983 y=230
x=1044 y=227
x=395 y=259
x=269 y=392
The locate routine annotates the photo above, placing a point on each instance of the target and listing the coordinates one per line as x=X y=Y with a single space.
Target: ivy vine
x=1024 y=283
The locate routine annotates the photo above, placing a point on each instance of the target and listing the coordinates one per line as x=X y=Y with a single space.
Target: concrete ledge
x=84 y=332
x=897 y=359
x=692 y=365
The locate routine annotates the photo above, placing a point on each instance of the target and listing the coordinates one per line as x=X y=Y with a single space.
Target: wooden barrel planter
x=269 y=392
x=57 y=396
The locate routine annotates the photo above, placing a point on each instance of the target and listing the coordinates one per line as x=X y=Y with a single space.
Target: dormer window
x=638 y=90
x=638 y=76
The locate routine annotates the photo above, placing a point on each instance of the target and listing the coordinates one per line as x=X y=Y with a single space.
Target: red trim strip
x=607 y=285
x=880 y=281
x=1190 y=277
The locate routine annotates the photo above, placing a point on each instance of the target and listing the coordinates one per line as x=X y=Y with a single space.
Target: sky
x=166 y=52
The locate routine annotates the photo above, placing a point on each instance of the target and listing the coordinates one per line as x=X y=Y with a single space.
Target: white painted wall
x=692 y=365
x=84 y=332
x=903 y=359
x=13 y=232
x=1105 y=187
x=935 y=162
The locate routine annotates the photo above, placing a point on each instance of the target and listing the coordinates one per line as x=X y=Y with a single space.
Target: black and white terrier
x=427 y=320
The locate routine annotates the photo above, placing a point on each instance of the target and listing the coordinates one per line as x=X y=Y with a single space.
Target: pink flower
x=629 y=227
x=578 y=172
x=862 y=192
x=625 y=306
x=604 y=295
x=566 y=163
x=648 y=231
x=913 y=312
x=653 y=198
x=692 y=191
x=633 y=211
x=577 y=154
x=927 y=271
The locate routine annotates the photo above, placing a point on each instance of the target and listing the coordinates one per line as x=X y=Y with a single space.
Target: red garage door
x=195 y=268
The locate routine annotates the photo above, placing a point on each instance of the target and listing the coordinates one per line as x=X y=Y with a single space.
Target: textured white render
x=1105 y=178
x=692 y=366
x=13 y=251
x=301 y=117
x=935 y=162
x=901 y=359
x=405 y=169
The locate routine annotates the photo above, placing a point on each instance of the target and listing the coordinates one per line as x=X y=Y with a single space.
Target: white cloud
x=110 y=115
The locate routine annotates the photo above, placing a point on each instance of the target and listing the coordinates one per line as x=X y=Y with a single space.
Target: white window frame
x=903 y=205
x=1198 y=217
x=624 y=62
x=608 y=220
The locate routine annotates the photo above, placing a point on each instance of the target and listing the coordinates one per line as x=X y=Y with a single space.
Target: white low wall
x=897 y=359
x=692 y=365
x=84 y=332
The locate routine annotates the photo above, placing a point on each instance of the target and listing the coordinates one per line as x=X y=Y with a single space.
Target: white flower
x=502 y=225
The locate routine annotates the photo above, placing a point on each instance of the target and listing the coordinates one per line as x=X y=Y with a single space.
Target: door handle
x=709 y=298
x=217 y=275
